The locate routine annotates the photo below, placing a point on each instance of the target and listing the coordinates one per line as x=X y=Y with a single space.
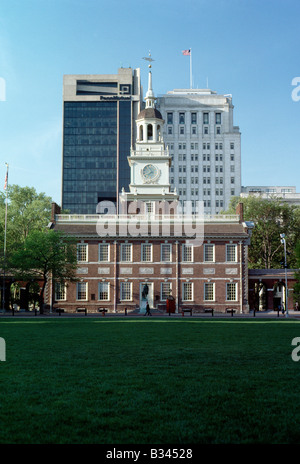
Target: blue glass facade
x=93 y=131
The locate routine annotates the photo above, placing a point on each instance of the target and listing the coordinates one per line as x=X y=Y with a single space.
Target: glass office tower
x=98 y=130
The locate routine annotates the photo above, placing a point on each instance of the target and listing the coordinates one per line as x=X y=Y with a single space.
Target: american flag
x=186 y=52
x=5 y=182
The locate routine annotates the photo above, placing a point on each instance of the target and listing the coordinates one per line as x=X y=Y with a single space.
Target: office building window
x=187 y=291
x=81 y=290
x=231 y=293
x=209 y=291
x=231 y=253
x=126 y=252
x=166 y=252
x=194 y=118
x=209 y=252
x=103 y=291
x=181 y=118
x=232 y=146
x=104 y=252
x=218 y=118
x=169 y=118
x=205 y=118
x=146 y=252
x=165 y=290
x=126 y=291
x=82 y=252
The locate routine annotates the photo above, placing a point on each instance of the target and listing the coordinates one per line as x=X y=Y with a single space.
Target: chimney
x=55 y=210
x=240 y=211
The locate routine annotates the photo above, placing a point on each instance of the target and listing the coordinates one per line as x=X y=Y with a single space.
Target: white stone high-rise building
x=204 y=145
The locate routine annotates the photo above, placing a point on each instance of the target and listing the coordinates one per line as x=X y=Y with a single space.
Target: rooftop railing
x=92 y=218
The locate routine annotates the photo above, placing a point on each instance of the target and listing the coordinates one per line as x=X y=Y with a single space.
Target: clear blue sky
x=247 y=48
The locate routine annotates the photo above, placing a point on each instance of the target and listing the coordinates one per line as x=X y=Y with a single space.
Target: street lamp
x=282 y=236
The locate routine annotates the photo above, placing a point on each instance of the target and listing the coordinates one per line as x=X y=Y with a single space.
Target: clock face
x=150 y=173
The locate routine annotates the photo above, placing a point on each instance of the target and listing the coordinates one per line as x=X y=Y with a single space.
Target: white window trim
x=214 y=291
x=65 y=292
x=130 y=285
x=192 y=285
x=108 y=253
x=161 y=292
x=235 y=245
x=214 y=258
x=127 y=261
x=142 y=252
x=236 y=291
x=192 y=254
x=87 y=252
x=87 y=291
x=108 y=291
x=161 y=254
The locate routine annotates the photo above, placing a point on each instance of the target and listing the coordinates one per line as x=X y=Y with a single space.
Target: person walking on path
x=147 y=310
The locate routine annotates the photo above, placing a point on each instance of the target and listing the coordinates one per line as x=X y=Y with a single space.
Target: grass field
x=155 y=381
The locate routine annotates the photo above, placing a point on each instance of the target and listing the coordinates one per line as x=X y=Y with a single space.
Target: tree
x=27 y=211
x=271 y=218
x=297 y=275
x=45 y=254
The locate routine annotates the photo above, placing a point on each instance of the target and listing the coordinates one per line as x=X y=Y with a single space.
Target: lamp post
x=282 y=236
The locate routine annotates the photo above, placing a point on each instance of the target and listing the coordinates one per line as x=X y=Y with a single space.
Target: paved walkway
x=292 y=314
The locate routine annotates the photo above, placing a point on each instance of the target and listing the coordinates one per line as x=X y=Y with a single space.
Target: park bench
x=209 y=310
x=103 y=311
x=230 y=310
x=60 y=310
x=81 y=310
x=186 y=310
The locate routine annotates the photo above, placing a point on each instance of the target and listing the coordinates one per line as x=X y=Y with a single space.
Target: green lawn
x=155 y=381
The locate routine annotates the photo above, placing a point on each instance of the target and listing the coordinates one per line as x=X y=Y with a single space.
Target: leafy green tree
x=27 y=211
x=271 y=218
x=297 y=275
x=44 y=255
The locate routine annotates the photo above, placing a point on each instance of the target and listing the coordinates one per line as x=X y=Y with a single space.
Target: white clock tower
x=149 y=161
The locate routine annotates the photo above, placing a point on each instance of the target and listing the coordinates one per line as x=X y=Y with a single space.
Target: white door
x=146 y=294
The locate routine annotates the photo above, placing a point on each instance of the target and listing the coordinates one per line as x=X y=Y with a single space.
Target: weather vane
x=148 y=58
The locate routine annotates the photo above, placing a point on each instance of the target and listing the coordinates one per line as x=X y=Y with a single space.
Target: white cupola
x=149 y=162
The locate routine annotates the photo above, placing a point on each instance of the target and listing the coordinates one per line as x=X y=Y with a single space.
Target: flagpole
x=191 y=74
x=5 y=227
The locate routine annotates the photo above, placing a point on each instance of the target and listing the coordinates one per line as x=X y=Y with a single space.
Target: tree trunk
x=42 y=296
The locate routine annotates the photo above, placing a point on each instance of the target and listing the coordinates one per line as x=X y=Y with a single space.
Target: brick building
x=113 y=272
x=267 y=288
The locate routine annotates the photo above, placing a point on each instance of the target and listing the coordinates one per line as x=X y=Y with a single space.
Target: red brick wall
x=198 y=277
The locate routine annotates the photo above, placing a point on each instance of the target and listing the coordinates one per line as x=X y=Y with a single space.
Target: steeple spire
x=150 y=98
